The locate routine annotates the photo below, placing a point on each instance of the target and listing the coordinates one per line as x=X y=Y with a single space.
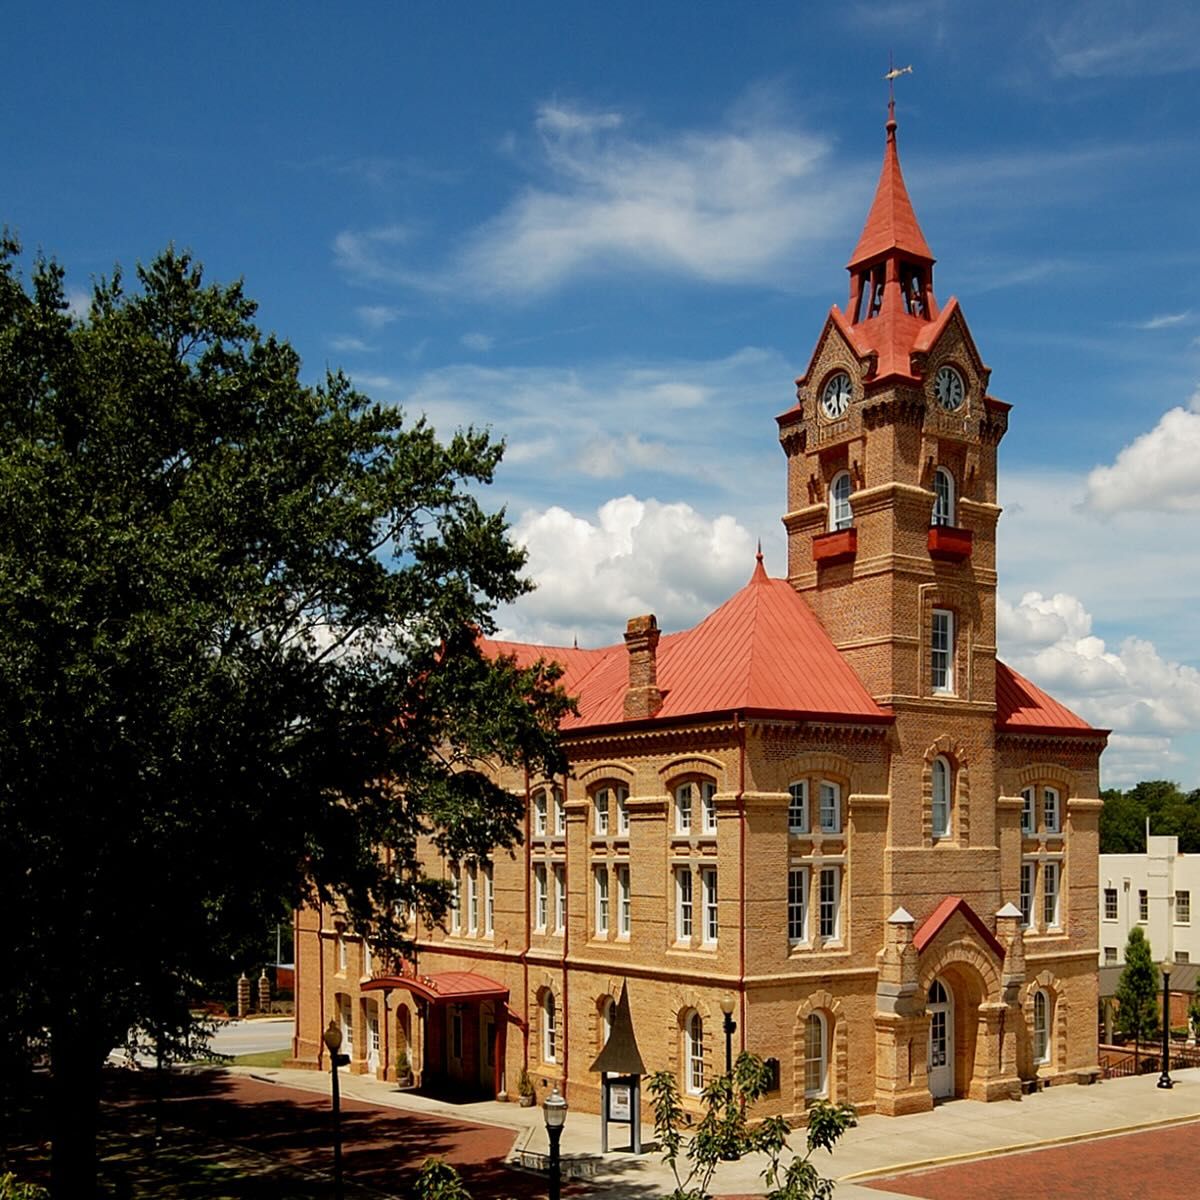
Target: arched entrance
x=940 y=1006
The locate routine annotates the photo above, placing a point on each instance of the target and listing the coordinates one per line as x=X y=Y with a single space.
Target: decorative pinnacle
x=758 y=557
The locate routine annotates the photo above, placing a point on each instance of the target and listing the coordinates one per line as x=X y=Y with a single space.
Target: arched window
x=539 y=813
x=684 y=795
x=816 y=1057
x=798 y=807
x=943 y=786
x=840 y=516
x=943 y=497
x=693 y=1046
x=549 y=1029
x=1041 y=1026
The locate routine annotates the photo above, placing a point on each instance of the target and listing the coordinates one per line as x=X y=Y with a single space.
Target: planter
x=949 y=543
x=837 y=547
x=527 y=1099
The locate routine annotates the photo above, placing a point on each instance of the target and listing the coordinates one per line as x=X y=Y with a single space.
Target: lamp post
x=1164 y=1080
x=554 y=1109
x=730 y=1027
x=332 y=1037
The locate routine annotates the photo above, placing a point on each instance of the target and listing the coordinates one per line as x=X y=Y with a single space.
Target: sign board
x=620 y=1103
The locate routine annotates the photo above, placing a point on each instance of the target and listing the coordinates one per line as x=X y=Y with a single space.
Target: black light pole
x=1164 y=1080
x=730 y=1029
x=332 y=1038
x=554 y=1108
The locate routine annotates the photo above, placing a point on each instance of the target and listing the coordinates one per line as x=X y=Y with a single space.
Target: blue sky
x=612 y=233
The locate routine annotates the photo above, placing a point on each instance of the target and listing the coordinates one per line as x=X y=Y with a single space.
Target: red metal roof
x=442 y=987
x=891 y=223
x=933 y=924
x=1021 y=705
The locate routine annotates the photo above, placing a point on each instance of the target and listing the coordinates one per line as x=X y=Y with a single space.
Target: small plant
x=403 y=1066
x=11 y=1188
x=525 y=1088
x=438 y=1180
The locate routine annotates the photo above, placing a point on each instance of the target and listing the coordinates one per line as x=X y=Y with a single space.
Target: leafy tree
x=1169 y=810
x=1122 y=824
x=238 y=661
x=723 y=1132
x=1138 y=992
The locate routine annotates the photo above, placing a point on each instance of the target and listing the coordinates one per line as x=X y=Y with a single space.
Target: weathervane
x=893 y=74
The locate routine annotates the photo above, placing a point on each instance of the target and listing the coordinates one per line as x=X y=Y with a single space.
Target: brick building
x=829 y=800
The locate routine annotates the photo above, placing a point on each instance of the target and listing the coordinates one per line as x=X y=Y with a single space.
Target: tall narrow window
x=1143 y=906
x=1028 y=813
x=683 y=904
x=797 y=912
x=1110 y=904
x=560 y=813
x=831 y=807
x=539 y=897
x=942 y=651
x=622 y=795
x=943 y=497
x=624 y=916
x=708 y=807
x=1027 y=870
x=798 y=807
x=560 y=898
x=368 y=959
x=549 y=1029
x=708 y=886
x=941 y=798
x=539 y=813
x=683 y=808
x=816 y=1059
x=341 y=954
x=600 y=803
x=1051 y=810
x=1041 y=1026
x=455 y=906
x=472 y=899
x=840 y=515
x=1183 y=908
x=489 y=900
x=694 y=1047
x=829 y=902
x=1050 y=899
x=601 y=876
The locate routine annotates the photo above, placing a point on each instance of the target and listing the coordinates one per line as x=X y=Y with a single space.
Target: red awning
x=445 y=987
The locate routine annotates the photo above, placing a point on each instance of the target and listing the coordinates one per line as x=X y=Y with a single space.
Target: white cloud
x=477 y=341
x=79 y=302
x=634 y=556
x=1164 y=320
x=1126 y=40
x=1158 y=471
x=558 y=119
x=345 y=343
x=376 y=316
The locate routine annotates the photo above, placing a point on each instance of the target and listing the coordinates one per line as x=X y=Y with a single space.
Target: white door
x=372 y=1037
x=347 y=1028
x=940 y=1007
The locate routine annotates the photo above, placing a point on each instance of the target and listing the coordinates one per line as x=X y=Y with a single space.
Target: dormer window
x=840 y=516
x=943 y=497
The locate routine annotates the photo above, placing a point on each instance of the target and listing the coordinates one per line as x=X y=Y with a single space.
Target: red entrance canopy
x=445 y=987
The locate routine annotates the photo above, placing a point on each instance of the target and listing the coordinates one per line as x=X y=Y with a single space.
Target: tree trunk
x=75 y=1093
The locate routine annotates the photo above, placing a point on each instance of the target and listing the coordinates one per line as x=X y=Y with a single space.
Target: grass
x=266 y=1058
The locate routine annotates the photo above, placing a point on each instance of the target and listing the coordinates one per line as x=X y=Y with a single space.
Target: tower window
x=942 y=651
x=840 y=516
x=943 y=497
x=941 y=798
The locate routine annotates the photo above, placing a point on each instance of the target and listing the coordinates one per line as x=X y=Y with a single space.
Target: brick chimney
x=642 y=698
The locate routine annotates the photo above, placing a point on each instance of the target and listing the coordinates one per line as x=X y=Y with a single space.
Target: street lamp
x=332 y=1037
x=730 y=1027
x=1164 y=1080
x=554 y=1108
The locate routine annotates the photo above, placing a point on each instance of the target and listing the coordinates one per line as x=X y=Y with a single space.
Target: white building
x=1153 y=890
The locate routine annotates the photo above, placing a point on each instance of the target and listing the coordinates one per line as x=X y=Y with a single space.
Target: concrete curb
x=965 y=1156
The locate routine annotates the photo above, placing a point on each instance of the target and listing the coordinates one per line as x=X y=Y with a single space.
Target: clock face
x=835 y=399
x=948 y=386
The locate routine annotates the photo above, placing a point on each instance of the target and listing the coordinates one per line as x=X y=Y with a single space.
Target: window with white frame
x=549 y=1029
x=600 y=804
x=472 y=899
x=1143 y=906
x=1041 y=1026
x=341 y=954
x=1183 y=908
x=368 y=959
x=622 y=798
x=942 y=778
x=1050 y=896
x=816 y=1057
x=941 y=666
x=1110 y=955
x=830 y=807
x=798 y=807
x=600 y=875
x=624 y=915
x=829 y=898
x=684 y=794
x=694 y=1053
x=683 y=904
x=489 y=900
x=560 y=898
x=1028 y=867
x=1028 y=811
x=708 y=807
x=1110 y=904
x=540 y=904
x=840 y=514
x=560 y=813
x=1052 y=813
x=943 y=497
x=708 y=890
x=455 y=904
x=1182 y=956
x=539 y=813
x=797 y=910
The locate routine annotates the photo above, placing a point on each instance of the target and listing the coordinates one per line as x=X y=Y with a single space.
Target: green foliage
x=1171 y=812
x=238 y=655
x=524 y=1084
x=1138 y=994
x=1194 y=1014
x=12 y=1189
x=724 y=1132
x=438 y=1180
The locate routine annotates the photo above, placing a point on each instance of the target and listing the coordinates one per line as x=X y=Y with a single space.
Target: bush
x=11 y=1188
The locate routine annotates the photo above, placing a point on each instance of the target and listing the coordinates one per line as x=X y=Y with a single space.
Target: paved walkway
x=958 y=1131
